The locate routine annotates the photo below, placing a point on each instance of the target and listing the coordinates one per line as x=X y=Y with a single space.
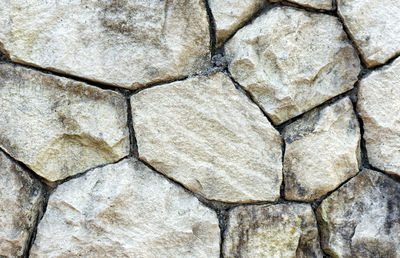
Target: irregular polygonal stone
x=207 y=135
x=230 y=15
x=21 y=197
x=322 y=151
x=379 y=108
x=59 y=127
x=282 y=230
x=125 y=210
x=362 y=218
x=374 y=26
x=290 y=61
x=317 y=4
x=126 y=43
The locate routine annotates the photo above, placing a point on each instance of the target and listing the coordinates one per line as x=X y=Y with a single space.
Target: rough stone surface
x=362 y=218
x=125 y=210
x=282 y=230
x=317 y=4
x=21 y=197
x=379 y=108
x=59 y=127
x=290 y=61
x=230 y=15
x=374 y=26
x=207 y=135
x=126 y=43
x=322 y=151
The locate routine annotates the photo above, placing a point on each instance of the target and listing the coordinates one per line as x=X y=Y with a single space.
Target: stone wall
x=172 y=128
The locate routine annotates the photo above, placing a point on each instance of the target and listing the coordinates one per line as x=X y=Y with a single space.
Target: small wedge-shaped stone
x=322 y=151
x=205 y=134
x=362 y=218
x=374 y=26
x=59 y=127
x=379 y=107
x=282 y=230
x=290 y=61
x=125 y=43
x=317 y=4
x=230 y=15
x=21 y=197
x=125 y=210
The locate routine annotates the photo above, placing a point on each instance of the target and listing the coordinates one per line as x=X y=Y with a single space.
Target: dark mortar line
x=307 y=8
x=222 y=223
x=394 y=177
x=133 y=150
x=319 y=232
x=212 y=28
x=387 y=63
x=155 y=84
x=282 y=188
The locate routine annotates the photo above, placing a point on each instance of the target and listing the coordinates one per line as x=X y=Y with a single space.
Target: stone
x=59 y=127
x=362 y=218
x=290 y=61
x=374 y=28
x=316 y=4
x=379 y=108
x=230 y=15
x=125 y=210
x=207 y=135
x=21 y=200
x=281 y=230
x=124 y=43
x=322 y=151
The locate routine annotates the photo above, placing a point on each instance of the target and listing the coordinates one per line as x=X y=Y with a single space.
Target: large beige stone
x=322 y=151
x=290 y=61
x=379 y=107
x=126 y=43
x=125 y=210
x=282 y=230
x=21 y=199
x=230 y=15
x=59 y=127
x=362 y=218
x=374 y=27
x=205 y=134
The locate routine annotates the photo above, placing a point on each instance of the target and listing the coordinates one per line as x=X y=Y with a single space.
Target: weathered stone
x=379 y=107
x=207 y=135
x=230 y=15
x=362 y=218
x=374 y=27
x=21 y=197
x=317 y=4
x=290 y=61
x=126 y=43
x=282 y=230
x=59 y=127
x=125 y=210
x=322 y=151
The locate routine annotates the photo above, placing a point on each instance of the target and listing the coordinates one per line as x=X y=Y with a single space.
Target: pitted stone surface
x=282 y=230
x=379 y=107
x=21 y=198
x=322 y=151
x=125 y=43
x=125 y=210
x=362 y=218
x=59 y=127
x=205 y=134
x=374 y=27
x=291 y=60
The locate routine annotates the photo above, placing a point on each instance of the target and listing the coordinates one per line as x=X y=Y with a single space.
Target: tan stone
x=291 y=60
x=205 y=134
x=322 y=151
x=125 y=43
x=59 y=127
x=125 y=210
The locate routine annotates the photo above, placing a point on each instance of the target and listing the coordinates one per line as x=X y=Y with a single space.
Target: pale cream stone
x=322 y=151
x=379 y=107
x=125 y=210
x=374 y=27
x=125 y=43
x=282 y=230
x=291 y=60
x=59 y=127
x=361 y=219
x=205 y=134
